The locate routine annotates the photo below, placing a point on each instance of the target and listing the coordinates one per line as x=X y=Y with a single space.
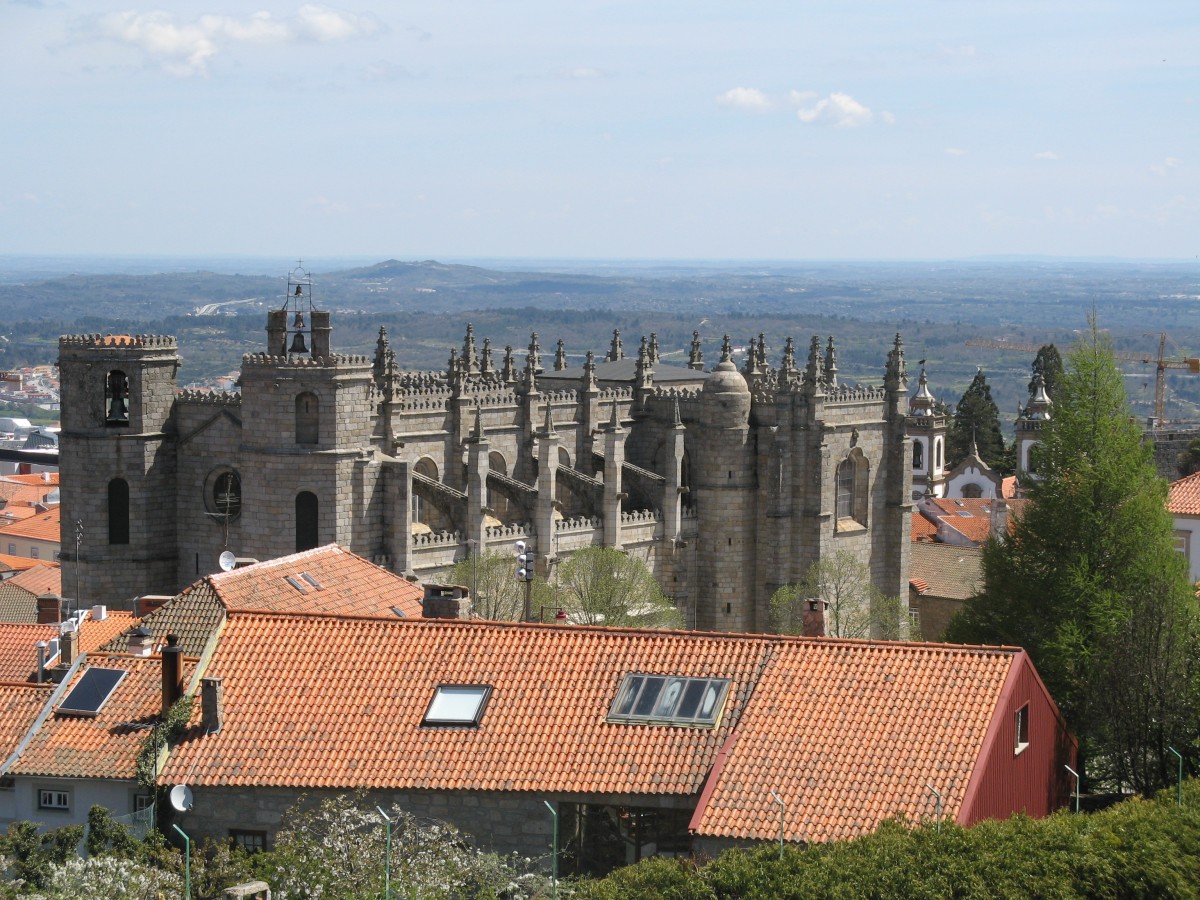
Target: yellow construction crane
x=1161 y=361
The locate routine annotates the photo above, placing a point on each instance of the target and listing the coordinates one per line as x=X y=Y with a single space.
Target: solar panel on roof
x=91 y=691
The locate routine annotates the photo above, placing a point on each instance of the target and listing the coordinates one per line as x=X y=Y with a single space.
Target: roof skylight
x=457 y=704
x=669 y=700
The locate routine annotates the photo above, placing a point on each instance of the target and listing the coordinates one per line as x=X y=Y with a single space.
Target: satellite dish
x=227 y=561
x=181 y=798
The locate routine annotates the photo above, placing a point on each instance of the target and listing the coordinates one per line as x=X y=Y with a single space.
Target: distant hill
x=426 y=304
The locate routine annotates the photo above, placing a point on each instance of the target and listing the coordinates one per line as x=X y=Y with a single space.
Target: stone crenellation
x=105 y=341
x=729 y=482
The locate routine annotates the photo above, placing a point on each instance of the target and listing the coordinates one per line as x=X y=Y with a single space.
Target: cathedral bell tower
x=117 y=465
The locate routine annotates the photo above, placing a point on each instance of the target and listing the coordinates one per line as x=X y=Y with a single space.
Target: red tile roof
x=10 y=563
x=49 y=478
x=107 y=745
x=345 y=584
x=318 y=701
x=96 y=633
x=18 y=649
x=848 y=732
x=923 y=529
x=42 y=527
x=1184 y=496
x=20 y=705
x=41 y=579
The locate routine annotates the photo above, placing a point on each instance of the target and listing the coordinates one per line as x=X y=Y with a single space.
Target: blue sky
x=683 y=130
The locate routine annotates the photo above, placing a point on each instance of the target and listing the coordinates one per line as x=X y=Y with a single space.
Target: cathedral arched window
x=308 y=418
x=116 y=399
x=918 y=461
x=307 y=530
x=937 y=453
x=972 y=491
x=428 y=468
x=852 y=477
x=118 y=511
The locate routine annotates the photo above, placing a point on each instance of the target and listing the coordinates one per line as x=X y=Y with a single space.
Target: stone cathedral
x=728 y=482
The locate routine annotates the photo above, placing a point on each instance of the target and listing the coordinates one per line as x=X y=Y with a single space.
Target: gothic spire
x=696 y=357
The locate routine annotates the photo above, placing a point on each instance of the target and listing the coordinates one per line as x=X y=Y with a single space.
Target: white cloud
x=888 y=118
x=799 y=98
x=745 y=98
x=185 y=48
x=839 y=110
x=966 y=51
x=582 y=73
x=955 y=151
x=1167 y=164
x=1046 y=154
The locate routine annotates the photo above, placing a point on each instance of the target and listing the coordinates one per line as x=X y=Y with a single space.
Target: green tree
x=1049 y=364
x=1189 y=460
x=603 y=586
x=977 y=419
x=1090 y=584
x=496 y=592
x=855 y=608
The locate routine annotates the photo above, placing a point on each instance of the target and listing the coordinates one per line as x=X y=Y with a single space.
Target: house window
x=937 y=454
x=1022 y=729
x=143 y=802
x=307 y=533
x=914 y=619
x=33 y=552
x=918 y=456
x=12 y=549
x=457 y=704
x=308 y=418
x=250 y=841
x=54 y=799
x=669 y=700
x=118 y=511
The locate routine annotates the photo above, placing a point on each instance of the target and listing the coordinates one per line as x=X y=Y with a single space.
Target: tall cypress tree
x=1048 y=363
x=976 y=418
x=1089 y=582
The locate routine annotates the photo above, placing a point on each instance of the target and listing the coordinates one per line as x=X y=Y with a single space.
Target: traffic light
x=525 y=562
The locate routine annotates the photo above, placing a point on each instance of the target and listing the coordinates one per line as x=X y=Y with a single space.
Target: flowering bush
x=112 y=879
x=337 y=849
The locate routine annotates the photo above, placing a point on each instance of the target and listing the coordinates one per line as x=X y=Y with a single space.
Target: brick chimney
x=172 y=672
x=446 y=601
x=814 y=617
x=68 y=644
x=49 y=609
x=212 y=705
x=148 y=603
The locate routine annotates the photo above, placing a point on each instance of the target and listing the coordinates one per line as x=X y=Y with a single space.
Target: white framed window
x=53 y=798
x=457 y=704
x=142 y=802
x=33 y=552
x=1021 y=729
x=669 y=700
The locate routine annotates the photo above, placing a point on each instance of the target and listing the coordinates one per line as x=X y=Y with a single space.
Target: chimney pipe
x=41 y=669
x=172 y=672
x=140 y=641
x=446 y=601
x=212 y=705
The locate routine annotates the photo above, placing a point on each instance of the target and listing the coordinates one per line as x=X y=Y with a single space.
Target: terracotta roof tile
x=923 y=529
x=18 y=649
x=849 y=733
x=42 y=527
x=41 y=579
x=20 y=705
x=339 y=703
x=96 y=633
x=857 y=728
x=10 y=563
x=107 y=745
x=48 y=478
x=1184 y=496
x=345 y=584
